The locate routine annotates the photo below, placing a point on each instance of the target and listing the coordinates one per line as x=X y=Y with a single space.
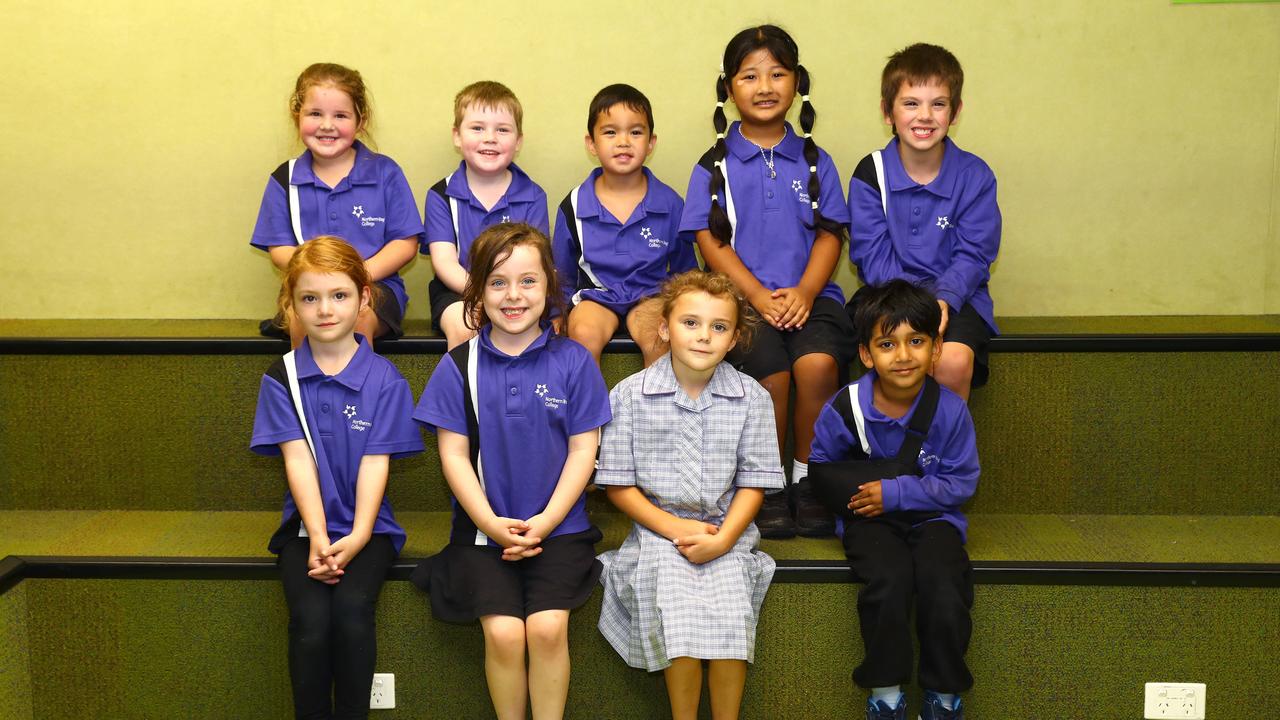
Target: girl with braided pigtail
x=768 y=210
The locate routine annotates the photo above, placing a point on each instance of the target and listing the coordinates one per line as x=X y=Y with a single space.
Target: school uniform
x=370 y=207
x=916 y=548
x=944 y=235
x=619 y=262
x=688 y=457
x=526 y=409
x=454 y=215
x=773 y=234
x=362 y=410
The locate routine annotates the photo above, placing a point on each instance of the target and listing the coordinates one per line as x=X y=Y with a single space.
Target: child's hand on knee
x=869 y=502
x=701 y=548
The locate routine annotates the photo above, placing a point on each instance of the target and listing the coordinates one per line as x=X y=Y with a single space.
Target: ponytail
x=717 y=218
x=808 y=116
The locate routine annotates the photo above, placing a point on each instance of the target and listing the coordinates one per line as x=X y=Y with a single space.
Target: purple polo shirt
x=622 y=262
x=370 y=207
x=523 y=202
x=944 y=235
x=949 y=456
x=529 y=406
x=363 y=410
x=770 y=214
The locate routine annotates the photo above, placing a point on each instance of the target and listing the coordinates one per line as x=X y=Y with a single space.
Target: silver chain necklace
x=768 y=159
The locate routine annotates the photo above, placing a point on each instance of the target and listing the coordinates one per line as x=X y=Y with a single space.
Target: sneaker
x=812 y=517
x=933 y=708
x=774 y=519
x=880 y=710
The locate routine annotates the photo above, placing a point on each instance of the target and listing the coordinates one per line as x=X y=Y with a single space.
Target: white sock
x=948 y=700
x=799 y=471
x=890 y=695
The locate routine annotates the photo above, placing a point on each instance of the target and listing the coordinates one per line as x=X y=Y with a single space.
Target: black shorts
x=441 y=298
x=965 y=327
x=386 y=307
x=467 y=582
x=827 y=331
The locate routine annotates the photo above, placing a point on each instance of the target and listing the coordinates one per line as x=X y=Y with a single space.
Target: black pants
x=332 y=646
x=897 y=561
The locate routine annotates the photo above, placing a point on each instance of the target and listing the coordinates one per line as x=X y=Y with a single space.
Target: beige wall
x=1135 y=142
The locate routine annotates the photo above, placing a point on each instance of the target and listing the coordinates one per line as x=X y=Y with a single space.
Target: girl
x=337 y=413
x=769 y=212
x=339 y=187
x=516 y=411
x=687 y=583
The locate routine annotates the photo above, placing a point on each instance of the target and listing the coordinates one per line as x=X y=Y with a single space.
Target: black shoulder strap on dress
x=462 y=357
x=918 y=426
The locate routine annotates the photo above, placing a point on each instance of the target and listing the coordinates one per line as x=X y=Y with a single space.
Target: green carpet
x=1037 y=652
x=1068 y=433
x=15 y=658
x=1064 y=538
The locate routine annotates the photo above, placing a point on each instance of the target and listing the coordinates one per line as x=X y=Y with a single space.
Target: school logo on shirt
x=654 y=241
x=506 y=218
x=545 y=396
x=356 y=424
x=798 y=189
x=366 y=220
x=926 y=460
x=943 y=222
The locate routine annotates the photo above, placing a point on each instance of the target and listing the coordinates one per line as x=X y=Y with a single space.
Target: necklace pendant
x=772 y=174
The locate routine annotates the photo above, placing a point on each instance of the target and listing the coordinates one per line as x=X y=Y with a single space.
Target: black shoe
x=812 y=517
x=774 y=518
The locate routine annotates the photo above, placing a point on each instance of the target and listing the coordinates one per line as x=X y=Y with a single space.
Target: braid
x=717 y=219
x=808 y=116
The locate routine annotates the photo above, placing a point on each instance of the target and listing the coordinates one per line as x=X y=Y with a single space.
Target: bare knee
x=455 y=329
x=954 y=368
x=816 y=376
x=504 y=637
x=547 y=631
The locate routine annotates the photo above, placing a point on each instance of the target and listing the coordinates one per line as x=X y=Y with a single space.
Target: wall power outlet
x=383 y=694
x=1175 y=700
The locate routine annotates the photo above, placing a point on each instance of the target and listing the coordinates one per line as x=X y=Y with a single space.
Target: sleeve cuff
x=615 y=476
x=763 y=479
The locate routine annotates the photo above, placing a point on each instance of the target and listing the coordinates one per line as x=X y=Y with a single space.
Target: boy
x=486 y=189
x=925 y=210
x=901 y=452
x=617 y=234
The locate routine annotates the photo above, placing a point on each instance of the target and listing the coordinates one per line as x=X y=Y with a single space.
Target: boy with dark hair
x=924 y=210
x=895 y=456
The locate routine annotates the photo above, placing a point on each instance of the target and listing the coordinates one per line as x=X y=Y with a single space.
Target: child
x=339 y=187
x=337 y=413
x=617 y=234
x=768 y=211
x=516 y=411
x=689 y=456
x=486 y=188
x=911 y=463
x=925 y=210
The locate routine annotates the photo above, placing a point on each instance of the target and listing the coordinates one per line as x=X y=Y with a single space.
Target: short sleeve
x=588 y=395
x=442 y=404
x=680 y=253
x=565 y=257
x=759 y=465
x=275 y=421
x=537 y=216
x=831 y=203
x=439 y=221
x=617 y=465
x=403 y=220
x=697 y=202
x=273 y=227
x=394 y=432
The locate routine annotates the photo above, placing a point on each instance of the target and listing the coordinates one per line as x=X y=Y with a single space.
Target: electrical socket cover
x=1184 y=701
x=383 y=694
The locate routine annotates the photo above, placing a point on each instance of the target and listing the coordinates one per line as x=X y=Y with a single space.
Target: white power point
x=383 y=694
x=1175 y=700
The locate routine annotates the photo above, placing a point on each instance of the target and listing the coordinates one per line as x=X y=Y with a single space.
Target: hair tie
x=720 y=104
x=715 y=197
x=719 y=136
x=813 y=168
x=804 y=98
x=814 y=204
x=808 y=135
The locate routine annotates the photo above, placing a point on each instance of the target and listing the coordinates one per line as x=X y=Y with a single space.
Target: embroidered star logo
x=943 y=222
x=358 y=210
x=540 y=391
x=350 y=412
x=646 y=233
x=506 y=218
x=795 y=185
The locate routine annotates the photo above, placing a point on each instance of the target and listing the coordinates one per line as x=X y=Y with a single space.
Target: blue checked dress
x=688 y=457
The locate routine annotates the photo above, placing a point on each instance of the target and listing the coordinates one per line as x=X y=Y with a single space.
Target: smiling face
x=488 y=138
x=702 y=329
x=901 y=357
x=327 y=305
x=762 y=89
x=621 y=139
x=515 y=294
x=327 y=123
x=921 y=116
